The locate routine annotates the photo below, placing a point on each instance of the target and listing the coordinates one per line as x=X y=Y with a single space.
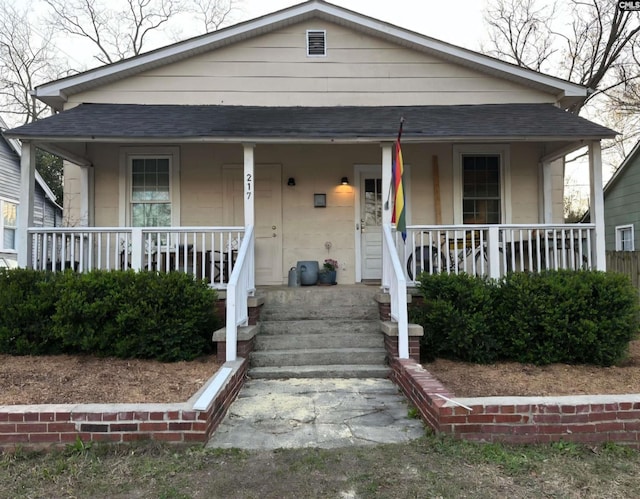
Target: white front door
x=268 y=217
x=371 y=225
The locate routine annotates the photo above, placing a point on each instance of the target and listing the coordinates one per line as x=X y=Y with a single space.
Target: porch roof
x=111 y=122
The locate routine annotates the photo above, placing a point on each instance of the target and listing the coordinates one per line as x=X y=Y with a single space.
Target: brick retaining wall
x=55 y=425
x=584 y=419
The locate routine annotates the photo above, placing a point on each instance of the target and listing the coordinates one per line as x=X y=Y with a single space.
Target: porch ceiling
x=126 y=122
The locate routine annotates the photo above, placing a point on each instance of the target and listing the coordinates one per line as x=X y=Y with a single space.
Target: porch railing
x=493 y=250
x=208 y=253
x=395 y=283
x=241 y=286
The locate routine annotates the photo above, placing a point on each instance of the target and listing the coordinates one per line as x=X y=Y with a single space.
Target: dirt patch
x=66 y=379
x=510 y=378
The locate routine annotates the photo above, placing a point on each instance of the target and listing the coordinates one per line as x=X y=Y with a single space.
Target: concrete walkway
x=325 y=413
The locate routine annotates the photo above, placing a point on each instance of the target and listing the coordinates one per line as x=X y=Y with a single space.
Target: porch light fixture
x=344 y=181
x=291 y=181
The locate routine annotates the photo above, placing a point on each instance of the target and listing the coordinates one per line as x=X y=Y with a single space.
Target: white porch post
x=547 y=193
x=25 y=209
x=597 y=203
x=493 y=253
x=84 y=196
x=249 y=184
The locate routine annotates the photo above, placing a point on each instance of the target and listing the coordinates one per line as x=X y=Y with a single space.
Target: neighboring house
x=232 y=148
x=46 y=212
x=622 y=205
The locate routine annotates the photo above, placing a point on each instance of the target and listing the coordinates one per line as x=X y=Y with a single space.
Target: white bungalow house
x=270 y=142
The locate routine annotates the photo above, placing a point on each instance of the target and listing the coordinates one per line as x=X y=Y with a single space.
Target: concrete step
x=323 y=371
x=294 y=341
x=319 y=326
x=318 y=356
x=319 y=302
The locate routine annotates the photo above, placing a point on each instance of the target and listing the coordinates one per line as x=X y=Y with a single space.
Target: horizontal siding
x=273 y=69
x=9 y=172
x=622 y=205
x=285 y=98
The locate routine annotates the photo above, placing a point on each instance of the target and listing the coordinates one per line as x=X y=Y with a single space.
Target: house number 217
x=249 y=182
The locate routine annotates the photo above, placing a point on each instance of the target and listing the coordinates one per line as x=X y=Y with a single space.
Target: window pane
x=151 y=215
x=9 y=239
x=373 y=201
x=150 y=184
x=9 y=214
x=481 y=189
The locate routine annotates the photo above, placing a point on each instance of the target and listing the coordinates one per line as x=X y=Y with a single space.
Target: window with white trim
x=8 y=224
x=624 y=238
x=481 y=184
x=481 y=200
x=150 y=191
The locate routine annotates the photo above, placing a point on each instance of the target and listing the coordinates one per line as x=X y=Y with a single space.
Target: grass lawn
x=430 y=467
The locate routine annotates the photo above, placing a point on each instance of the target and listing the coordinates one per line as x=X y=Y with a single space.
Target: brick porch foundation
x=55 y=425
x=583 y=419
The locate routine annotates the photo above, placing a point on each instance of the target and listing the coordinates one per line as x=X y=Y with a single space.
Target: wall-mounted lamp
x=344 y=181
x=291 y=181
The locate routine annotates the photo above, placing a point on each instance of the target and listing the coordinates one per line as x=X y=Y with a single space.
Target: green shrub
x=561 y=316
x=27 y=302
x=167 y=317
x=457 y=318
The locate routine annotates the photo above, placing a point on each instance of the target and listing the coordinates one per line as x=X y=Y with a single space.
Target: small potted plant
x=327 y=274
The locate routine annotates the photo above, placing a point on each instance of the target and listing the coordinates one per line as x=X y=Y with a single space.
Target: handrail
x=241 y=285
x=394 y=281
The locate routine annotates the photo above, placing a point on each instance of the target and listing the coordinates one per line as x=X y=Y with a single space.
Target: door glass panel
x=373 y=201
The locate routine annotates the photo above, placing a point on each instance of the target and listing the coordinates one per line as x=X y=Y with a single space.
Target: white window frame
x=619 y=241
x=2 y=226
x=501 y=150
x=127 y=154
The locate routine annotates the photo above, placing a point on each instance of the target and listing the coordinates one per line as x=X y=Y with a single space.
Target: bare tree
x=213 y=13
x=594 y=50
x=27 y=58
x=118 y=29
x=519 y=32
x=115 y=29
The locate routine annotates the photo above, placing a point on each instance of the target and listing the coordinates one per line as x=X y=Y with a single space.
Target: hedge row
x=574 y=317
x=167 y=317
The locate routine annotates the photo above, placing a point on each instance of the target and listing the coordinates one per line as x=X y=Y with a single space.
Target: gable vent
x=316 y=42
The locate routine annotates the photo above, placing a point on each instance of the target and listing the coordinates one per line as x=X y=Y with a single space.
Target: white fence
x=206 y=252
x=493 y=250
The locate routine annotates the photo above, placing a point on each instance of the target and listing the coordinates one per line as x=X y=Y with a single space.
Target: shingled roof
x=130 y=121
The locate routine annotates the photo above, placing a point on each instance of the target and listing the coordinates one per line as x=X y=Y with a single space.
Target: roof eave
x=329 y=139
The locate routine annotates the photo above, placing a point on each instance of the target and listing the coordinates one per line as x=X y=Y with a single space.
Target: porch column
x=249 y=187
x=387 y=167
x=596 y=209
x=547 y=193
x=84 y=196
x=25 y=209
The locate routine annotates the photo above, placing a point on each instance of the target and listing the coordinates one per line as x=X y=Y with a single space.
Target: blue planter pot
x=308 y=272
x=327 y=277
